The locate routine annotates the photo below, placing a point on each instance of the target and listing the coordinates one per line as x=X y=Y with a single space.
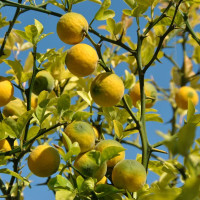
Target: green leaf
x=79 y=182
x=186 y=137
x=23 y=120
x=63 y=103
x=23 y=35
x=74 y=150
x=103 y=190
x=32 y=33
x=17 y=68
x=118 y=127
x=16 y=175
x=153 y=117
x=10 y=127
x=190 y=189
x=130 y=3
x=2 y=132
x=32 y=132
x=96 y=1
x=59 y=182
x=65 y=195
x=139 y=10
x=103 y=13
x=81 y=115
x=110 y=152
x=191 y=110
x=86 y=96
x=39 y=27
x=129 y=80
x=112 y=27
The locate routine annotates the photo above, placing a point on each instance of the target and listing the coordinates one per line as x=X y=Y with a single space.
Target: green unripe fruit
x=43 y=81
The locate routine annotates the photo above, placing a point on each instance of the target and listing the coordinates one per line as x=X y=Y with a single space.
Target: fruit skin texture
x=6 y=91
x=129 y=175
x=44 y=160
x=4 y=145
x=81 y=60
x=107 y=89
x=83 y=133
x=88 y=166
x=185 y=93
x=108 y=143
x=71 y=27
x=149 y=90
x=43 y=81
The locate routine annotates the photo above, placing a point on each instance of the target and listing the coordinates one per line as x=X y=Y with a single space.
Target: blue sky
x=160 y=72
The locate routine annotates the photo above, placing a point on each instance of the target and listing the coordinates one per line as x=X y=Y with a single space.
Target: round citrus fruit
x=71 y=27
x=129 y=175
x=150 y=93
x=89 y=167
x=44 y=160
x=6 y=91
x=108 y=143
x=4 y=145
x=81 y=60
x=43 y=81
x=107 y=89
x=83 y=133
x=185 y=93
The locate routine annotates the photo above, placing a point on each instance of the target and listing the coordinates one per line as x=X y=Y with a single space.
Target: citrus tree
x=69 y=112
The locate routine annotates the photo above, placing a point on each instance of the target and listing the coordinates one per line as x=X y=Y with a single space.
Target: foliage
x=140 y=41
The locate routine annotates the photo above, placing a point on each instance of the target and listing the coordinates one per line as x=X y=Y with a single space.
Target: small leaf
x=59 y=182
x=63 y=103
x=86 y=96
x=65 y=195
x=186 y=137
x=23 y=120
x=191 y=110
x=153 y=117
x=32 y=132
x=10 y=127
x=39 y=27
x=74 y=150
x=7 y=171
x=103 y=13
x=118 y=127
x=17 y=68
x=96 y=1
x=130 y=3
x=110 y=152
x=103 y=190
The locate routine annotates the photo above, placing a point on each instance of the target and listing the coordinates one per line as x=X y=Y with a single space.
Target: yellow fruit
x=108 y=143
x=71 y=27
x=129 y=175
x=102 y=181
x=81 y=60
x=15 y=107
x=4 y=145
x=6 y=91
x=83 y=133
x=43 y=81
x=185 y=93
x=96 y=132
x=107 y=89
x=44 y=160
x=150 y=93
x=7 y=53
x=34 y=100
x=87 y=166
